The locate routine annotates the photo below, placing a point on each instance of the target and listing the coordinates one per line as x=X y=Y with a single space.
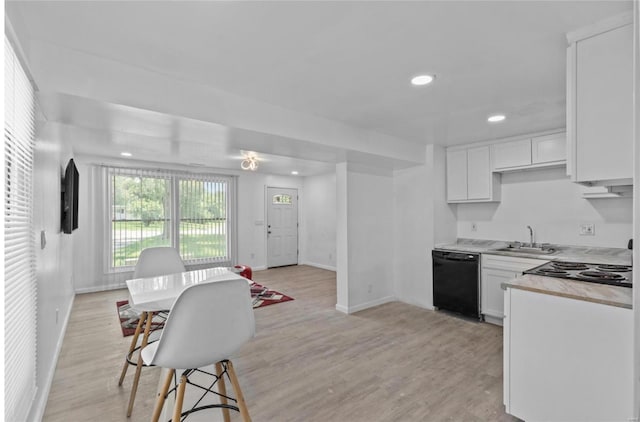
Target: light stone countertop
x=587 y=254
x=590 y=292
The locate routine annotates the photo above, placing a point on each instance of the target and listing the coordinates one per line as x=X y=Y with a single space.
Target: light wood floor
x=308 y=362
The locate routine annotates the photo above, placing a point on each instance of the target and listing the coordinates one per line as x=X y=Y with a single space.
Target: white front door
x=282 y=227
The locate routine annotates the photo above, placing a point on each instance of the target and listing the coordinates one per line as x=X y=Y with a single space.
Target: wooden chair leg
x=134 y=342
x=162 y=396
x=239 y=396
x=177 y=409
x=222 y=390
x=136 y=378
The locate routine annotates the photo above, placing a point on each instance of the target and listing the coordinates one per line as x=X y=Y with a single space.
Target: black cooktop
x=614 y=275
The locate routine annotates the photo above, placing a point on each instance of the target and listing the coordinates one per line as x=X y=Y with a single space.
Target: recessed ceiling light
x=295 y=173
x=496 y=118
x=125 y=154
x=422 y=80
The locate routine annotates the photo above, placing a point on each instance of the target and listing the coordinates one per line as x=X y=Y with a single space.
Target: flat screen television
x=69 y=211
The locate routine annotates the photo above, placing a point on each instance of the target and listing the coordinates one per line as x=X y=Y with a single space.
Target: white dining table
x=153 y=294
x=160 y=292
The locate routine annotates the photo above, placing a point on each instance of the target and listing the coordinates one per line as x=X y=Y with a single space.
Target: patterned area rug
x=261 y=295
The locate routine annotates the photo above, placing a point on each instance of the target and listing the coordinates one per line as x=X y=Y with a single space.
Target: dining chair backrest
x=207 y=324
x=157 y=261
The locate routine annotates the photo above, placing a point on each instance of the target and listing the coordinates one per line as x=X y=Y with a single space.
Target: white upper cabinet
x=469 y=176
x=535 y=152
x=512 y=154
x=549 y=148
x=457 y=175
x=600 y=103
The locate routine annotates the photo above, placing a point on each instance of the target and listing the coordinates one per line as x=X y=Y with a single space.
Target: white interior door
x=282 y=227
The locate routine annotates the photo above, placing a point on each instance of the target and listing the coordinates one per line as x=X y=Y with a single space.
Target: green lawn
x=199 y=241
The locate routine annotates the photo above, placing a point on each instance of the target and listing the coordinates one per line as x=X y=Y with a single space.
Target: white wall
x=370 y=230
x=318 y=243
x=342 y=238
x=422 y=219
x=549 y=202
x=53 y=263
x=89 y=272
x=364 y=238
x=252 y=215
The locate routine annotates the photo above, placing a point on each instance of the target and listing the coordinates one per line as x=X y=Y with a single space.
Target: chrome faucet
x=531 y=244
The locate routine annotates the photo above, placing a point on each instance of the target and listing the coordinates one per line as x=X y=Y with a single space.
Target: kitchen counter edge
x=604 y=294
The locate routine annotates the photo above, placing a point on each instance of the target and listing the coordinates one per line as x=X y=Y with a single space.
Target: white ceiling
x=345 y=61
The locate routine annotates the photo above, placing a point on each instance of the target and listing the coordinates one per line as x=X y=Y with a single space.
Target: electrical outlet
x=587 y=229
x=370 y=289
x=474 y=227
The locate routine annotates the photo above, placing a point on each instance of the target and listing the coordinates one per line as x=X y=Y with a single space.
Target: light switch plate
x=587 y=229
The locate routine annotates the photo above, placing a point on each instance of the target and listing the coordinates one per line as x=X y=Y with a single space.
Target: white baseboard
x=37 y=409
x=259 y=268
x=371 y=304
x=366 y=305
x=102 y=288
x=342 y=309
x=321 y=266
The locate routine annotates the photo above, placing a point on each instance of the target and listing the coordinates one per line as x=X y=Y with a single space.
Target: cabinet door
x=549 y=148
x=569 y=360
x=512 y=154
x=492 y=302
x=479 y=173
x=604 y=100
x=457 y=175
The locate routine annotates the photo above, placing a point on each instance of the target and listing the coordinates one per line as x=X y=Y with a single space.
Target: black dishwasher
x=456 y=282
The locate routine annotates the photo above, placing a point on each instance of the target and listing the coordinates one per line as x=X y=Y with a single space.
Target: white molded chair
x=161 y=260
x=207 y=324
x=152 y=262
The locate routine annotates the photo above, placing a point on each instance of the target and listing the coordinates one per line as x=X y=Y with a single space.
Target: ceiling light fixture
x=295 y=173
x=496 y=118
x=125 y=154
x=250 y=162
x=422 y=80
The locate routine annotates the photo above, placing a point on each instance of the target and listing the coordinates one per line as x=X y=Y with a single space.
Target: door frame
x=266 y=222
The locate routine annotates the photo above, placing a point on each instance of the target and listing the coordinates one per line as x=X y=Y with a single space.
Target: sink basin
x=530 y=251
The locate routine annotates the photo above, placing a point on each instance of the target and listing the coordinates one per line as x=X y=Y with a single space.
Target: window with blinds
x=150 y=208
x=19 y=246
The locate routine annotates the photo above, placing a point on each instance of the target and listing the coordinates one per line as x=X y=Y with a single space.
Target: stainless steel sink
x=526 y=250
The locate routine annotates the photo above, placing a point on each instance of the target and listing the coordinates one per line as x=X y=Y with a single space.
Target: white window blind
x=19 y=258
x=188 y=211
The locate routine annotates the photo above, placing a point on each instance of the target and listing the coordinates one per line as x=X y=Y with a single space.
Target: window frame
x=174 y=177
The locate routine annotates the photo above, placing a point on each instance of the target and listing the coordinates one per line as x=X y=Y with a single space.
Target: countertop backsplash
x=553 y=206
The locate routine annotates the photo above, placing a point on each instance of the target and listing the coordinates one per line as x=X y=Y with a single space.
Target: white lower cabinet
x=566 y=360
x=498 y=269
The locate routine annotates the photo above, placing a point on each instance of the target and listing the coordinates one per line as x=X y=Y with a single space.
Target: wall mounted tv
x=69 y=211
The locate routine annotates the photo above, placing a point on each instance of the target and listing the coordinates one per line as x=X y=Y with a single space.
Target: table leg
x=145 y=339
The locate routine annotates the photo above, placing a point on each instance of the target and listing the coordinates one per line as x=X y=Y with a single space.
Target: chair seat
x=148 y=352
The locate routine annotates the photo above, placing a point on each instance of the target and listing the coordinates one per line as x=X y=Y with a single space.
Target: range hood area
x=603 y=192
